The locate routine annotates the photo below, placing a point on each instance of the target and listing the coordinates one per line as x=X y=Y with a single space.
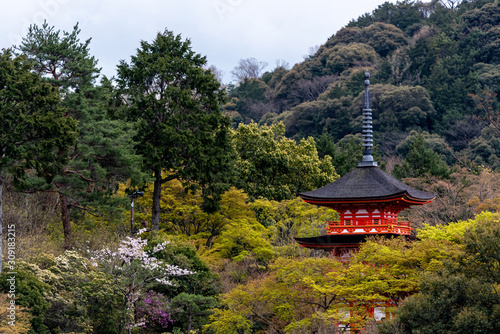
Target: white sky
x=223 y=30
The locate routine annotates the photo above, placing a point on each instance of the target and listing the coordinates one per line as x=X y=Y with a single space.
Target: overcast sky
x=225 y=31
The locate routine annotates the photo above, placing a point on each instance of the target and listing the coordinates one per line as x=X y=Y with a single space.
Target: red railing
x=370 y=226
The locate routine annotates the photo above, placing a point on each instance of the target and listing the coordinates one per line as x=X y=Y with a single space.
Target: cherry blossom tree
x=134 y=269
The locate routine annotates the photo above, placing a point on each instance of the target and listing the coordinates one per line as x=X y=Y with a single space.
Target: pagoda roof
x=343 y=240
x=366 y=183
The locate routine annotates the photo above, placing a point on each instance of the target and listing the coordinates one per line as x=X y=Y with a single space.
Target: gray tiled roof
x=345 y=239
x=366 y=183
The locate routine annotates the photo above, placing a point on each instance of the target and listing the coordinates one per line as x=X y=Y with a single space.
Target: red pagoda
x=367 y=199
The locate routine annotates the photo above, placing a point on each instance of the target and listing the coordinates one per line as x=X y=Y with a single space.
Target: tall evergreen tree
x=34 y=128
x=180 y=129
x=103 y=155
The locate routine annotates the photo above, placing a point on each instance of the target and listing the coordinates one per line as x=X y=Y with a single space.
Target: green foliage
x=176 y=105
x=274 y=167
x=81 y=298
x=325 y=146
x=192 y=296
x=436 y=310
x=461 y=296
x=250 y=95
x=333 y=116
x=203 y=282
x=103 y=155
x=421 y=160
x=453 y=232
x=36 y=134
x=404 y=108
x=63 y=60
x=309 y=294
x=433 y=141
x=191 y=311
x=289 y=219
x=481 y=244
x=182 y=212
x=429 y=63
x=244 y=239
x=274 y=77
x=388 y=271
x=403 y=14
x=403 y=259
x=485 y=149
x=437 y=53
x=29 y=291
x=349 y=153
x=341 y=57
x=484 y=18
x=64 y=294
x=382 y=37
x=228 y=322
x=35 y=129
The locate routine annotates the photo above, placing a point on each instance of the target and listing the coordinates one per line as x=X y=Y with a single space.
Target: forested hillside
x=433 y=70
x=163 y=201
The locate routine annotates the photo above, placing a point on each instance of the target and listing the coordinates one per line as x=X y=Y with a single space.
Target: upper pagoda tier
x=365 y=185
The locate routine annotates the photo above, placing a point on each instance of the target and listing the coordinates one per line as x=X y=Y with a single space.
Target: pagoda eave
x=329 y=242
x=404 y=200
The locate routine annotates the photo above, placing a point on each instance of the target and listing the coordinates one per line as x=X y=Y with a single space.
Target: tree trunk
x=156 y=202
x=190 y=320
x=1 y=221
x=122 y=320
x=68 y=236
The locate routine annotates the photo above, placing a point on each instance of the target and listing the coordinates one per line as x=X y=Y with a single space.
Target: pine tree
x=35 y=131
x=103 y=155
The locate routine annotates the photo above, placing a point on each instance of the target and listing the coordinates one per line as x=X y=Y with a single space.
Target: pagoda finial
x=367 y=127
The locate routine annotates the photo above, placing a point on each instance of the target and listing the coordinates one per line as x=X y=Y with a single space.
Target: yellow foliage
x=228 y=322
x=489 y=204
x=21 y=325
x=304 y=295
x=454 y=231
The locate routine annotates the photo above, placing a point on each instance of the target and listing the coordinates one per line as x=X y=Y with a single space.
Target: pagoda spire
x=367 y=127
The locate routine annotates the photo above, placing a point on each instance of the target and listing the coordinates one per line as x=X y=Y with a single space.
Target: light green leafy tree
x=289 y=219
x=460 y=296
x=309 y=295
x=274 y=167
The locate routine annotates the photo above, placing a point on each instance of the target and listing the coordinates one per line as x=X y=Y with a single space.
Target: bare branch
x=79 y=174
x=249 y=68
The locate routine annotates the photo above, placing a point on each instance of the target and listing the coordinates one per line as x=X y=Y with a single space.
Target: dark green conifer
x=35 y=131
x=175 y=102
x=103 y=155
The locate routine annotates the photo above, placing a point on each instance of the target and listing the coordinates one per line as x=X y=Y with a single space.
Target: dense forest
x=164 y=201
